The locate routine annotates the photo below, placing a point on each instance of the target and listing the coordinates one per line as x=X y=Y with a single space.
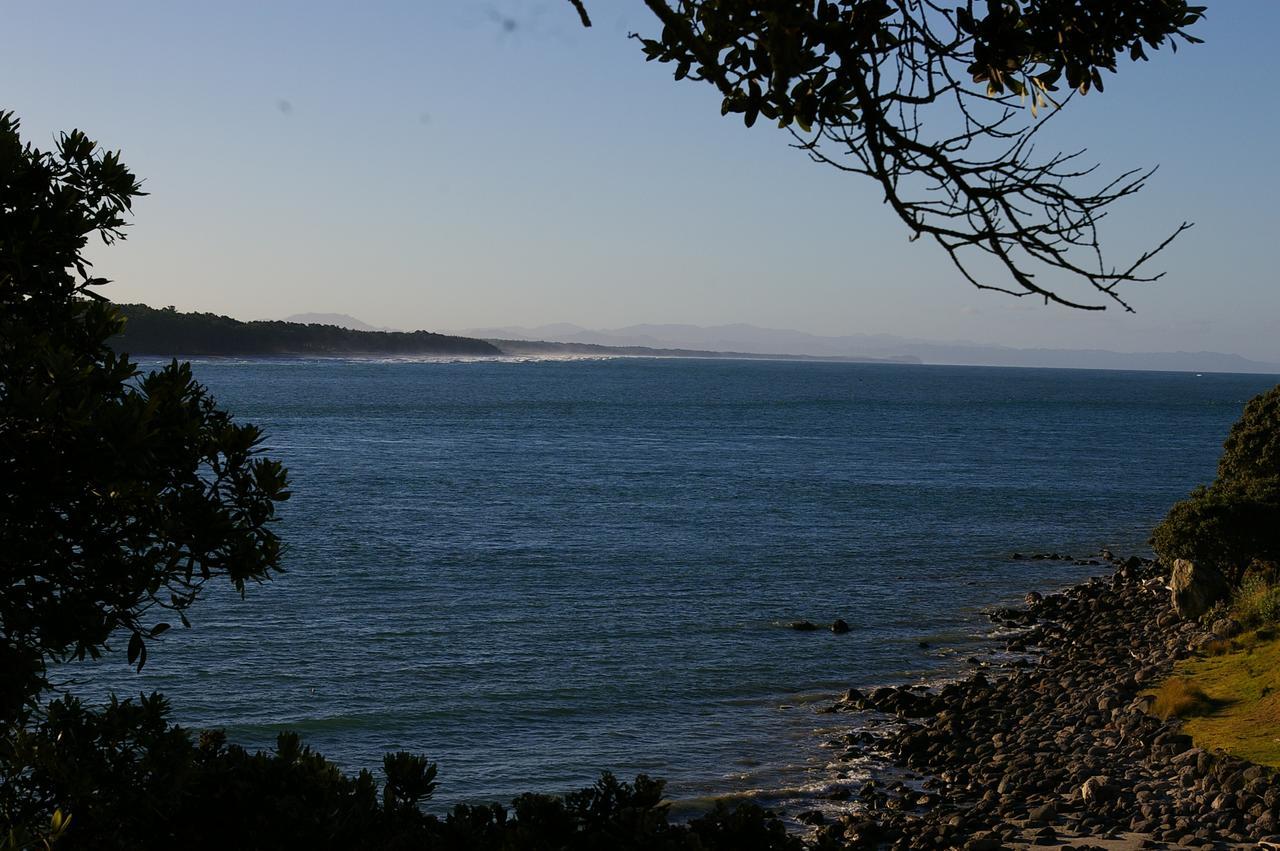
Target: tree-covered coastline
x=168 y=332
x=122 y=495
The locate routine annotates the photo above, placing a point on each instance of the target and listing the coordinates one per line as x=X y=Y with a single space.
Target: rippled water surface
x=536 y=571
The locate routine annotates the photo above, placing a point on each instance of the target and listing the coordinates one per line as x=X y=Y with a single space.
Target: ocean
x=536 y=571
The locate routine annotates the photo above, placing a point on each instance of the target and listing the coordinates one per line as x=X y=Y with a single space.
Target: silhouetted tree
x=121 y=495
x=1235 y=519
x=151 y=331
x=927 y=98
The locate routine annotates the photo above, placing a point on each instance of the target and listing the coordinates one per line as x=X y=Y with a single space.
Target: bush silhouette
x=1236 y=519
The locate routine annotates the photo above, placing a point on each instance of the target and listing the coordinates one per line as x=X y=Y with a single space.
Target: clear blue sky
x=423 y=165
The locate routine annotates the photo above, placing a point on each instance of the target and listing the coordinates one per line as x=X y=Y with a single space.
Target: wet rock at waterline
x=1060 y=750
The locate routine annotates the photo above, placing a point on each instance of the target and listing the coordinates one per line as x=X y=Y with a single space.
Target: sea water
x=533 y=572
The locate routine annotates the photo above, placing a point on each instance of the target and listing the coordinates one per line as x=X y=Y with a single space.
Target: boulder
x=839 y=627
x=1227 y=628
x=803 y=626
x=1195 y=588
x=1098 y=788
x=1043 y=814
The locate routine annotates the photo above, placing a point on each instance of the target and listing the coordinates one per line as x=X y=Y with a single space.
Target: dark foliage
x=1236 y=519
x=926 y=98
x=128 y=779
x=1251 y=455
x=168 y=332
x=120 y=495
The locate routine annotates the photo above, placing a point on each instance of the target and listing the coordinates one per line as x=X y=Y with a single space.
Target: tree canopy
x=941 y=104
x=1235 y=520
x=168 y=331
x=121 y=495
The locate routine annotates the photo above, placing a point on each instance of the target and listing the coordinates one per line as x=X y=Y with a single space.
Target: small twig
x=582 y=12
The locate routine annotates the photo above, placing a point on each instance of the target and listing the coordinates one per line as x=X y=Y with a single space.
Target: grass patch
x=1257 y=601
x=1218 y=647
x=1181 y=697
x=1238 y=703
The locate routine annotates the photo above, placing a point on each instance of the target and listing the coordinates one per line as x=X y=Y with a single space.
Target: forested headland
x=168 y=332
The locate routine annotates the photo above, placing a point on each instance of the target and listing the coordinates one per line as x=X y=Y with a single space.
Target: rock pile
x=1062 y=747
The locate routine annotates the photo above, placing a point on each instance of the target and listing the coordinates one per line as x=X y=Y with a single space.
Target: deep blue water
x=536 y=571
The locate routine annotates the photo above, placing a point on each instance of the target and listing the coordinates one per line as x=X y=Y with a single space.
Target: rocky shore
x=1057 y=749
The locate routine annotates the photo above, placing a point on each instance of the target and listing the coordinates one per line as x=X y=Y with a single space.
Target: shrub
x=1236 y=519
x=1222 y=528
x=1218 y=647
x=1251 y=453
x=126 y=778
x=1256 y=602
x=1181 y=698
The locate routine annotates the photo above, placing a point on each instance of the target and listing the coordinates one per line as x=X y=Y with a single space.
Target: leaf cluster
x=1043 y=41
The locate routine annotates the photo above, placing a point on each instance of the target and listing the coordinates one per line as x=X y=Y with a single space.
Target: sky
x=457 y=164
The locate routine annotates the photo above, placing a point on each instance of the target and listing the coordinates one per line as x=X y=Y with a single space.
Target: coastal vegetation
x=168 y=332
x=1234 y=521
x=1228 y=533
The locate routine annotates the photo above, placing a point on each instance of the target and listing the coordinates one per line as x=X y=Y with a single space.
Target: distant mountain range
x=756 y=340
x=340 y=320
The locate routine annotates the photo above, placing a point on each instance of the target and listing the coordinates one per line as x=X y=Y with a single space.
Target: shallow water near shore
x=536 y=571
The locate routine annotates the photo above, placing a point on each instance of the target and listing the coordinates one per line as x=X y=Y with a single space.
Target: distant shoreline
x=171 y=333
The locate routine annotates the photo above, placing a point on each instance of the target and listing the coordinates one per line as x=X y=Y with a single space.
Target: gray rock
x=1043 y=814
x=1097 y=789
x=839 y=627
x=1195 y=588
x=1227 y=628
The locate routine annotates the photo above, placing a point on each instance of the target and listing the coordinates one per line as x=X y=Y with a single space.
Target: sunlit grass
x=1230 y=698
x=1180 y=697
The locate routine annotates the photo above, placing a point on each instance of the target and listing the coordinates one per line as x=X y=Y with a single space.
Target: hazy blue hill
x=168 y=332
x=342 y=320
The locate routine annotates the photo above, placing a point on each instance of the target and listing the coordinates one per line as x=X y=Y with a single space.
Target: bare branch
x=930 y=101
x=582 y=12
